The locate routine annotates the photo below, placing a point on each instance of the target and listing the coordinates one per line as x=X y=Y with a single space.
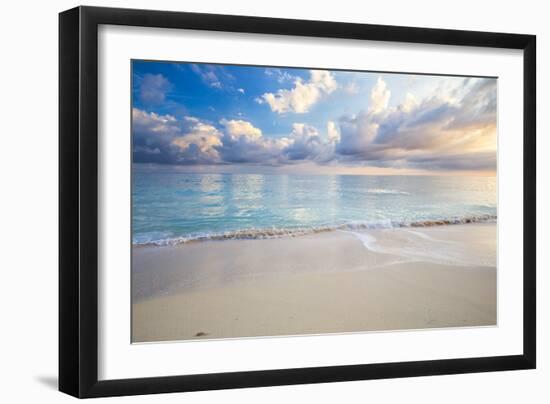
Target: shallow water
x=170 y=206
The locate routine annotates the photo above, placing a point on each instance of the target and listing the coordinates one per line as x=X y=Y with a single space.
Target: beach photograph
x=280 y=201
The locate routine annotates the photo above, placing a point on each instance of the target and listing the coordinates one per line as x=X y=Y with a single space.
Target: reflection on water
x=304 y=216
x=211 y=198
x=246 y=193
x=168 y=203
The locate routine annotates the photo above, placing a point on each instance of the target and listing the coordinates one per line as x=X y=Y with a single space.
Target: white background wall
x=28 y=202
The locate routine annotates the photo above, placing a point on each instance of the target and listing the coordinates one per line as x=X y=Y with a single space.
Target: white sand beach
x=332 y=282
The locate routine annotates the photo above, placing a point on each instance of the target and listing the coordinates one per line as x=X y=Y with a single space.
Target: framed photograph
x=251 y=201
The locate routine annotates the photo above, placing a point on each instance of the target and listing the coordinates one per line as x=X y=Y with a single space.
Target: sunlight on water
x=171 y=205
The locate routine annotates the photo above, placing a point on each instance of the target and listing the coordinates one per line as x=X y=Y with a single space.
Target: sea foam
x=273 y=232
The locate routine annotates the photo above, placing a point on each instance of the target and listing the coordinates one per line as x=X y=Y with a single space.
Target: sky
x=231 y=118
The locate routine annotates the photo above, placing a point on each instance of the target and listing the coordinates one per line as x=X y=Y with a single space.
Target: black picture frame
x=78 y=201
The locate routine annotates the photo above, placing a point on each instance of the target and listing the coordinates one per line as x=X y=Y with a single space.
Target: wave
x=269 y=233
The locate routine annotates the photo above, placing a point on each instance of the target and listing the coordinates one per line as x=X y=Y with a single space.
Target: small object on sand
x=201 y=334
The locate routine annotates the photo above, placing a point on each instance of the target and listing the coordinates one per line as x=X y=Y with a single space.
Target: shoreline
x=273 y=232
x=341 y=281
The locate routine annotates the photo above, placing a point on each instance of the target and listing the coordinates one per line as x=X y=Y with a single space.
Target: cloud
x=152 y=136
x=213 y=76
x=379 y=97
x=165 y=139
x=480 y=161
x=280 y=75
x=237 y=128
x=452 y=129
x=244 y=143
x=207 y=74
x=306 y=144
x=153 y=88
x=240 y=90
x=358 y=131
x=146 y=123
x=199 y=144
x=333 y=132
x=303 y=95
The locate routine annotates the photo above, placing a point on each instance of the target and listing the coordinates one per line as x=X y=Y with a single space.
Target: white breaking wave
x=269 y=233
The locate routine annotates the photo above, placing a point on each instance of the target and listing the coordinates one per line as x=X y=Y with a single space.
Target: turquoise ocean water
x=170 y=206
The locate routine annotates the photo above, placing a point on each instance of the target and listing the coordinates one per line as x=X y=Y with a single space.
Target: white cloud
x=410 y=103
x=244 y=143
x=358 y=131
x=452 y=129
x=280 y=75
x=211 y=75
x=166 y=139
x=303 y=131
x=306 y=144
x=237 y=128
x=303 y=95
x=324 y=80
x=379 y=97
x=199 y=143
x=154 y=123
x=333 y=132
